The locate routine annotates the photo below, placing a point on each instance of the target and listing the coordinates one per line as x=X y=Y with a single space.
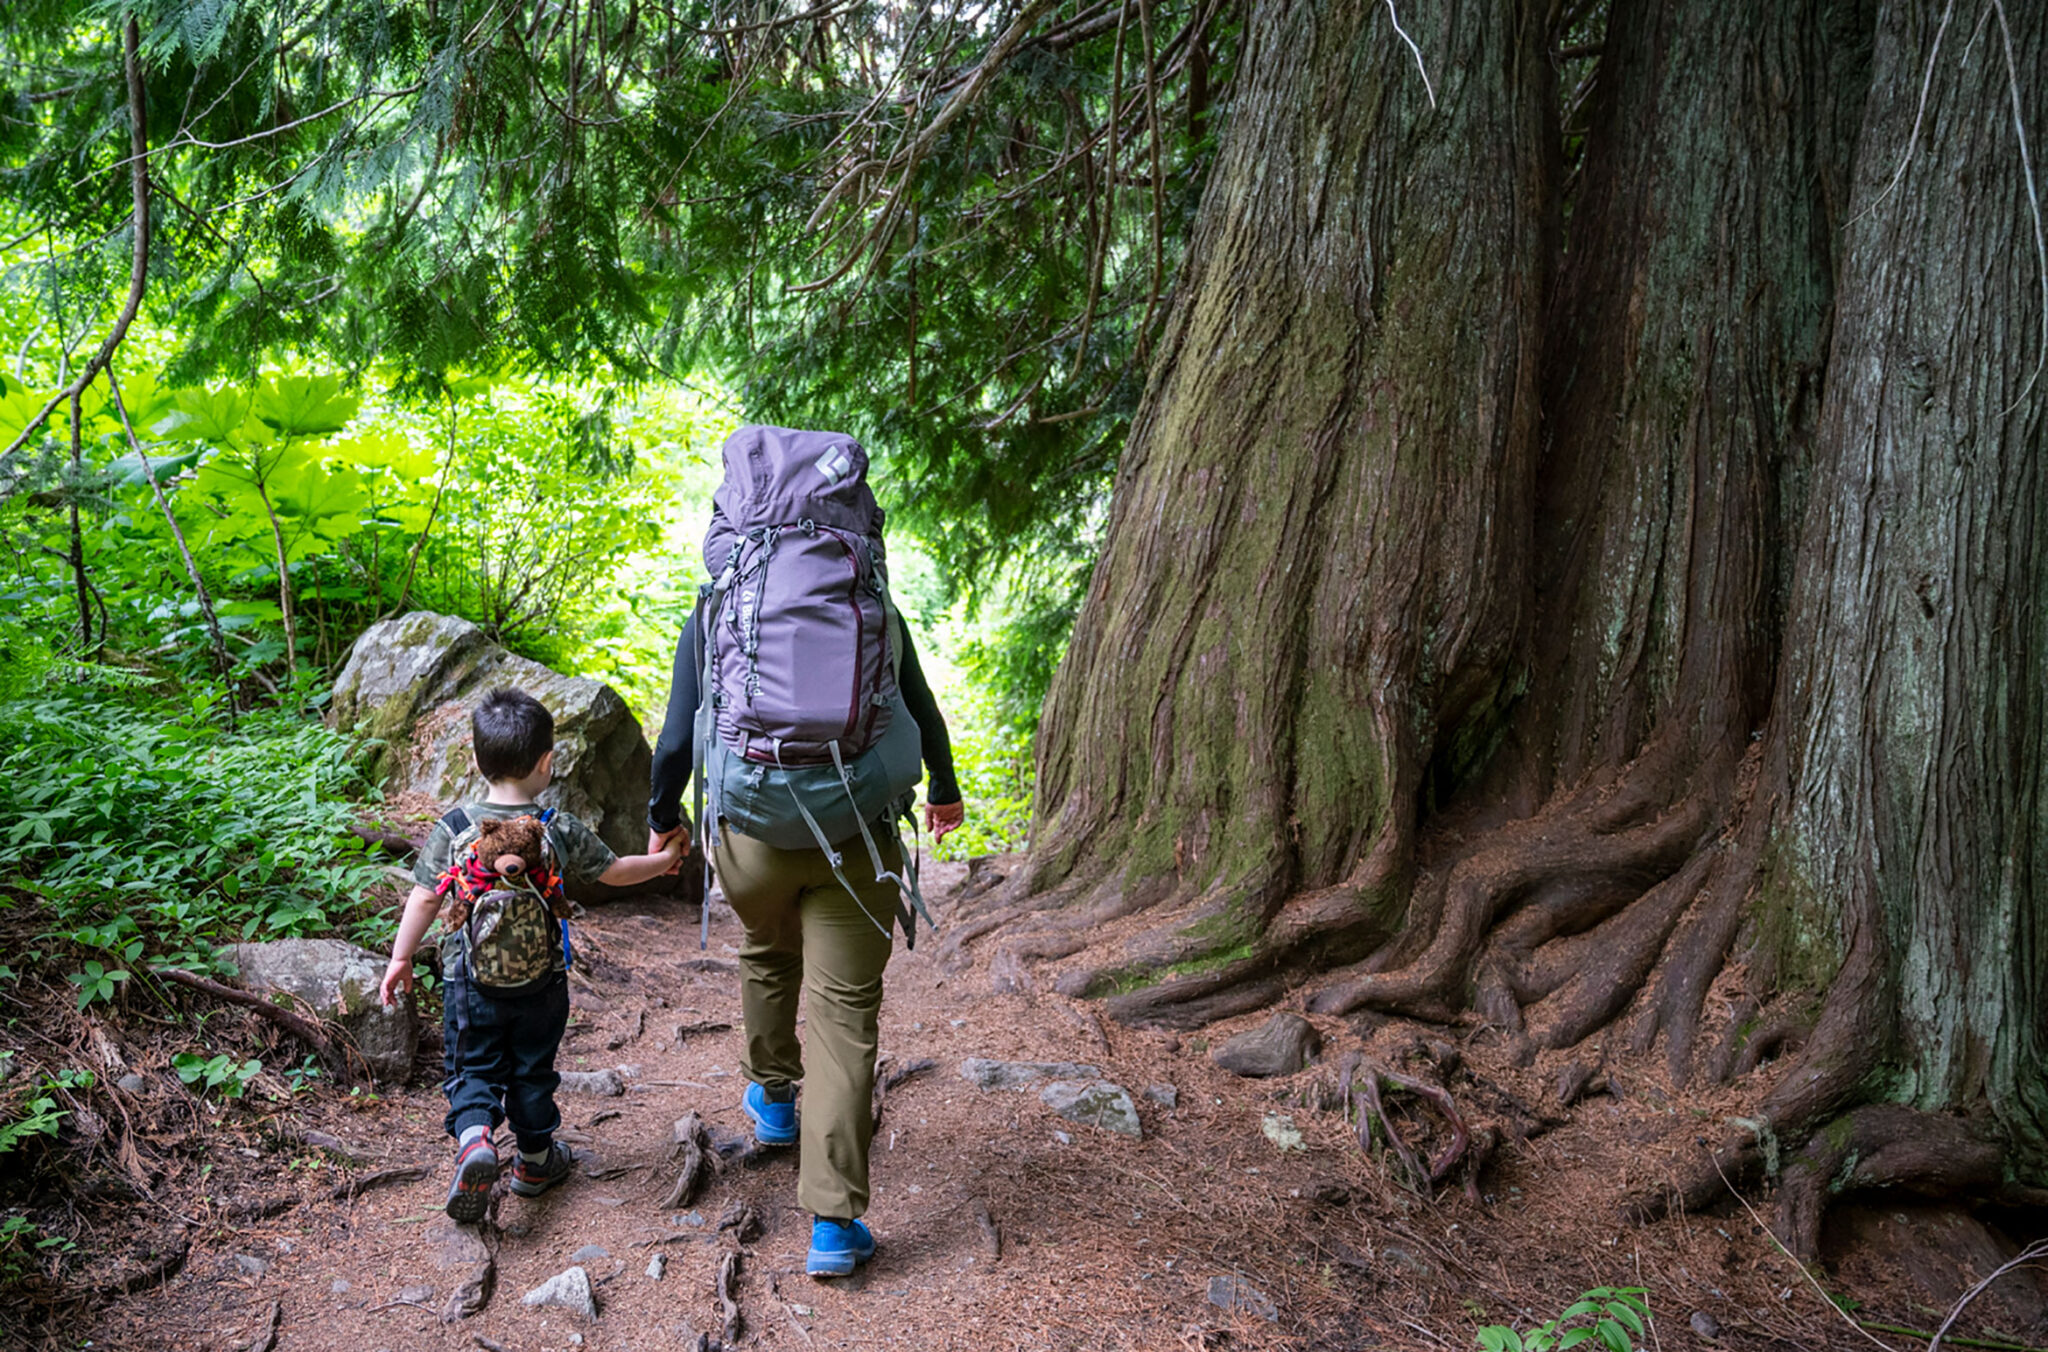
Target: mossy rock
x=411 y=684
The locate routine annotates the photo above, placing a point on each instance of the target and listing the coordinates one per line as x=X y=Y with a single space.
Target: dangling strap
x=904 y=889
x=917 y=870
x=832 y=856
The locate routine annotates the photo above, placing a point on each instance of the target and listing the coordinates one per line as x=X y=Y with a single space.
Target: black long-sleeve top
x=672 y=752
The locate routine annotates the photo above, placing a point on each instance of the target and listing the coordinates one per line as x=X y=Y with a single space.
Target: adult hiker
x=798 y=701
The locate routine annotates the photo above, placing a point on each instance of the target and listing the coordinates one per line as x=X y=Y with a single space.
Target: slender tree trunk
x=222 y=663
x=78 y=534
x=284 y=580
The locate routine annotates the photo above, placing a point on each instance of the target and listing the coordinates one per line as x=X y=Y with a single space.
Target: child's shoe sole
x=469 y=1195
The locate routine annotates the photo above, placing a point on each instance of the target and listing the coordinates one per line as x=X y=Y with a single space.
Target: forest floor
x=1104 y=1241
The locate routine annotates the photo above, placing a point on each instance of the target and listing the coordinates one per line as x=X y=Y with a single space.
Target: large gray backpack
x=802 y=738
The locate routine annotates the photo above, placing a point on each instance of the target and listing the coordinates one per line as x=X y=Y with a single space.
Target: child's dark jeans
x=499 y=1053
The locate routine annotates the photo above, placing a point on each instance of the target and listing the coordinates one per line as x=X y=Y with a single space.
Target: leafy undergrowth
x=139 y=830
x=145 y=828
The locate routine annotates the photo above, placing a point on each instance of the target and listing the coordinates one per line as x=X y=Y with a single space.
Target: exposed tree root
x=1779 y=1035
x=1467 y=1150
x=693 y=1141
x=1882 y=1145
x=299 y=1026
x=1553 y=865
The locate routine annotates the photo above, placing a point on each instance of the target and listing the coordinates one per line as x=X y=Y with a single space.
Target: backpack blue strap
x=546 y=819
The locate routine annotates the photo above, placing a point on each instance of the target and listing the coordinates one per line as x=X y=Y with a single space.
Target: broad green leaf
x=17 y=406
x=1621 y=1313
x=219 y=416
x=163 y=468
x=1573 y=1339
x=304 y=406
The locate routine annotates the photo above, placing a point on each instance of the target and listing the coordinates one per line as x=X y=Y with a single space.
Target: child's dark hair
x=511 y=731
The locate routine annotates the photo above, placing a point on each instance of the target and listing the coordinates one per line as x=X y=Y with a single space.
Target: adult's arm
x=935 y=742
x=672 y=756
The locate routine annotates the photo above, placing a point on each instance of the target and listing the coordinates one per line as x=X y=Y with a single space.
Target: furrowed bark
x=1912 y=829
x=1315 y=528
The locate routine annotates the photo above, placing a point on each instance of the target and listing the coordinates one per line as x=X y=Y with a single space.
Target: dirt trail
x=1105 y=1242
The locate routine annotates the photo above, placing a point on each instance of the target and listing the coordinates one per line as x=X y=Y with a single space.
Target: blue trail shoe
x=774 y=1123
x=838 y=1247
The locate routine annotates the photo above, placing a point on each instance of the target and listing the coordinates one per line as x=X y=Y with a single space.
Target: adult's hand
x=940 y=818
x=658 y=841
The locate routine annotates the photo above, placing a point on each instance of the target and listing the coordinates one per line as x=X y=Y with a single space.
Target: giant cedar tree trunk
x=1541 y=645
x=1908 y=861
x=1312 y=574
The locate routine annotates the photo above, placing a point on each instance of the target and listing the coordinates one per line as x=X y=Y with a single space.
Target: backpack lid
x=779 y=476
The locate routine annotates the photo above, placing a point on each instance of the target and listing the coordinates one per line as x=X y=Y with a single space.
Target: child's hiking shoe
x=476 y=1169
x=774 y=1121
x=531 y=1180
x=838 y=1247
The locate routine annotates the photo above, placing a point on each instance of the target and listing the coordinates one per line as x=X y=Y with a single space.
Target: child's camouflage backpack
x=505 y=897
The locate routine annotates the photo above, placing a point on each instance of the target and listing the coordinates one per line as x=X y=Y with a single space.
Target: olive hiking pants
x=804 y=933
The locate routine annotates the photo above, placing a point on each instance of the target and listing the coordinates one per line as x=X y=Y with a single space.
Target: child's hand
x=671 y=845
x=397 y=977
x=940 y=818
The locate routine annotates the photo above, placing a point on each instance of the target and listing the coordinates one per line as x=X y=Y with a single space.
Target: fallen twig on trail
x=488 y=1344
x=2038 y=1249
x=775 y=1290
x=897 y=1075
x=298 y=1025
x=356 y=1187
x=155 y=1273
x=1764 y=1229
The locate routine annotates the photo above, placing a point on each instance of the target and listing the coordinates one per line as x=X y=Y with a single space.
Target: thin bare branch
x=138 y=274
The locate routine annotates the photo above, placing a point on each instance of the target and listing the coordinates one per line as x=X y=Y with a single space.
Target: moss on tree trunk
x=1529 y=593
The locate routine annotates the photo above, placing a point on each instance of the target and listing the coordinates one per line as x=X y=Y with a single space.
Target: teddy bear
x=505 y=851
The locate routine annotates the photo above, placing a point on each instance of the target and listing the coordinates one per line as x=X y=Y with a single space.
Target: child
x=500 y=1040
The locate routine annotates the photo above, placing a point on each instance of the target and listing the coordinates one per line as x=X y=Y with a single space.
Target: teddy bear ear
x=489 y=826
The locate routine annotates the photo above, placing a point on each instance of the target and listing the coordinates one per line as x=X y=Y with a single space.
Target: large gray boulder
x=411 y=684
x=337 y=981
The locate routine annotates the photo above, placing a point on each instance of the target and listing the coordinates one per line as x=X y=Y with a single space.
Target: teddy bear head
x=509 y=846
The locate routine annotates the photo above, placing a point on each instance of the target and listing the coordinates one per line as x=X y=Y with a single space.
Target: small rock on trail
x=1094 y=1103
x=569 y=1290
x=1281 y=1045
x=1235 y=1293
x=603 y=1083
